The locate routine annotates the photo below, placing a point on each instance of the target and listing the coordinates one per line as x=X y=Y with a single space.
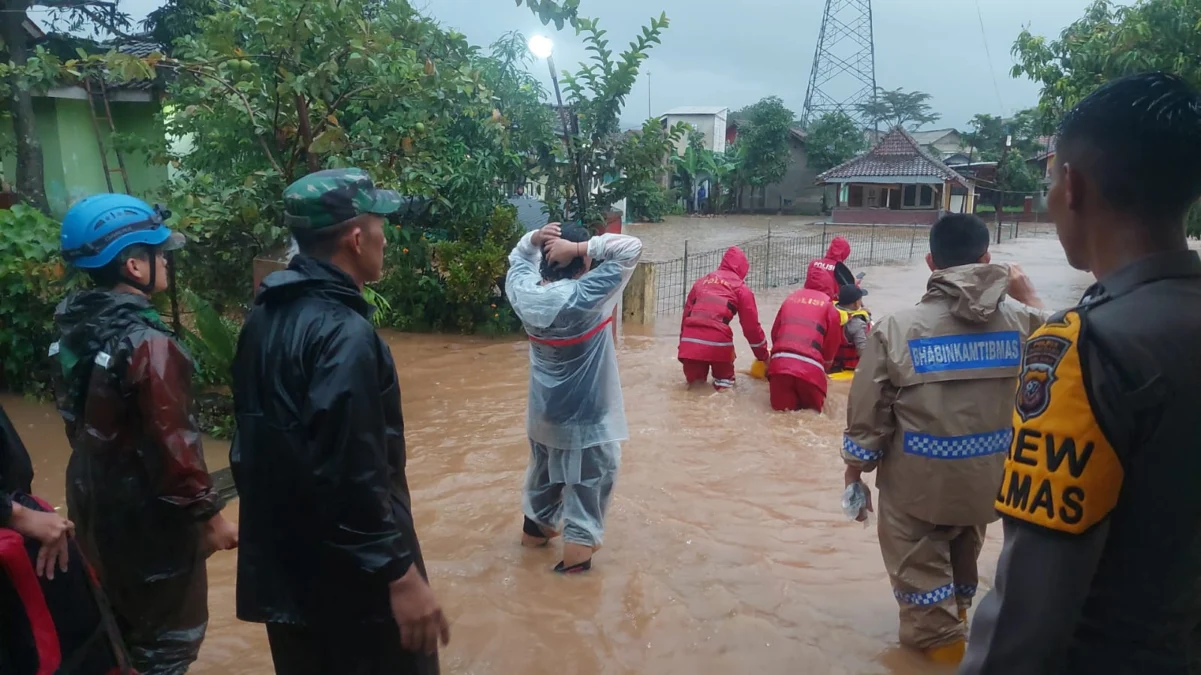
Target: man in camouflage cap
x=330 y=559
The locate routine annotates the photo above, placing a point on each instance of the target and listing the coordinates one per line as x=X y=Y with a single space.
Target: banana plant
x=720 y=166
x=691 y=168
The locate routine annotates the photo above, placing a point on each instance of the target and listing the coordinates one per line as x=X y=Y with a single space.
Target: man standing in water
x=329 y=559
x=706 y=339
x=1102 y=560
x=137 y=485
x=930 y=406
x=576 y=418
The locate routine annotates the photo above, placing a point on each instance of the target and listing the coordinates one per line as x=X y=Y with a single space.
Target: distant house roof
x=696 y=110
x=933 y=136
x=897 y=156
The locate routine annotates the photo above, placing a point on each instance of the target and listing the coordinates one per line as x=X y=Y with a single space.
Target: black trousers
x=371 y=649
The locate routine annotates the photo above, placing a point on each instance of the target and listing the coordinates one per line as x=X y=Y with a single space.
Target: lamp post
x=542 y=47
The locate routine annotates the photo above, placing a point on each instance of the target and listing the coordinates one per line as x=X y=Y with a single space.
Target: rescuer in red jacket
x=706 y=339
x=805 y=339
x=830 y=273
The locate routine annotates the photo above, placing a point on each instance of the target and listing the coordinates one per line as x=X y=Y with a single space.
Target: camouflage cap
x=327 y=198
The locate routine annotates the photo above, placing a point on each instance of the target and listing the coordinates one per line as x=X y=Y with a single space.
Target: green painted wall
x=146 y=180
x=72 y=156
x=78 y=159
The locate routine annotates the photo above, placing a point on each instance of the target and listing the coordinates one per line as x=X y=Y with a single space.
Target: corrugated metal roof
x=897 y=154
x=696 y=110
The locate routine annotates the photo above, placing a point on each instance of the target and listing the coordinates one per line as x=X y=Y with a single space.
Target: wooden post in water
x=685 y=285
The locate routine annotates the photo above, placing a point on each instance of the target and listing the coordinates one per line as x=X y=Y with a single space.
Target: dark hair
x=958 y=239
x=322 y=243
x=114 y=273
x=1139 y=139
x=574 y=233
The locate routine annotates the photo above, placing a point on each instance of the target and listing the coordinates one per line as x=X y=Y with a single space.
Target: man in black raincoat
x=329 y=558
x=137 y=485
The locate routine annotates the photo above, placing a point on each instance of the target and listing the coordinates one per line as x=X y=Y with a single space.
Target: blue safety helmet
x=97 y=228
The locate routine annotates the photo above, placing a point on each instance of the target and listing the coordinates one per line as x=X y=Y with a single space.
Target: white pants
x=572 y=486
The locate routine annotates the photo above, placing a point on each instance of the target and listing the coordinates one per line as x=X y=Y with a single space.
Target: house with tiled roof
x=897 y=182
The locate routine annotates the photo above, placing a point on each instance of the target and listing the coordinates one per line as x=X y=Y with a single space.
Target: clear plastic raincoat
x=576 y=418
x=575 y=394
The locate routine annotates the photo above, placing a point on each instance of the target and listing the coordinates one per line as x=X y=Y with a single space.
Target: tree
x=177 y=18
x=270 y=90
x=25 y=71
x=595 y=93
x=1109 y=42
x=641 y=160
x=896 y=108
x=722 y=167
x=763 y=143
x=833 y=139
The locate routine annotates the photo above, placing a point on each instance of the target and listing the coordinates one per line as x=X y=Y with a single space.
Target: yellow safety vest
x=844 y=315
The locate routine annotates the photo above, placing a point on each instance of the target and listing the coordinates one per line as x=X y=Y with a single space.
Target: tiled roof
x=897 y=154
x=140 y=49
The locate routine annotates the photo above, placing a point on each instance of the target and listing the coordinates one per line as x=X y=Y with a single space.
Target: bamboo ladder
x=99 y=108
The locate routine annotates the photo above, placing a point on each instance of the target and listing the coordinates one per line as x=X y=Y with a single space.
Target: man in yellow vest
x=1101 y=568
x=856 y=323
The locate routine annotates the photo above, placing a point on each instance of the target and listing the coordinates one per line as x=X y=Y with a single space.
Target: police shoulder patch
x=1061 y=471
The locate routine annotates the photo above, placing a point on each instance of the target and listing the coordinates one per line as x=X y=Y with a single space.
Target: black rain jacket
x=319 y=455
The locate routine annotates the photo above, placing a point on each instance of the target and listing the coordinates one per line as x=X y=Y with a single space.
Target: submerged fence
x=780 y=259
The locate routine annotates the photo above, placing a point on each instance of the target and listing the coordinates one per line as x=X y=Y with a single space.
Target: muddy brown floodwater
x=726 y=552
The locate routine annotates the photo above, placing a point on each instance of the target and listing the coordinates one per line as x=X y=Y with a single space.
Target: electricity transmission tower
x=844 y=63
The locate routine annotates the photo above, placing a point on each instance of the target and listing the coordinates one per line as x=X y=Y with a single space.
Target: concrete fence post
x=640 y=298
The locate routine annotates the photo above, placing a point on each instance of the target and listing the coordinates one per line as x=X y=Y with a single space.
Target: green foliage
x=31 y=284
x=450 y=285
x=1193 y=222
x=595 y=94
x=1015 y=175
x=641 y=160
x=212 y=342
x=896 y=107
x=1109 y=42
x=986 y=140
x=833 y=139
x=269 y=91
x=383 y=308
x=762 y=144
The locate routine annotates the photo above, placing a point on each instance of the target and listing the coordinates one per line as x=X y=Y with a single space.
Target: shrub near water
x=31 y=284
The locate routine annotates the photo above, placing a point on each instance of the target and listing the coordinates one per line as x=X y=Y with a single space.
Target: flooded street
x=726 y=549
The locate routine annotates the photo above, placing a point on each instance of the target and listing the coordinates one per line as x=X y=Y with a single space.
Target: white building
x=710 y=121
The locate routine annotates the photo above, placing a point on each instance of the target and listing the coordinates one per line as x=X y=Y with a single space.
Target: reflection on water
x=727 y=551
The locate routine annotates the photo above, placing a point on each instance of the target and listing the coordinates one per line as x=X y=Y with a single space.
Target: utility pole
x=999 y=194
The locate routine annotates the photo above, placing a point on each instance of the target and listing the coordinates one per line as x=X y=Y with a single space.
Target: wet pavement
x=726 y=552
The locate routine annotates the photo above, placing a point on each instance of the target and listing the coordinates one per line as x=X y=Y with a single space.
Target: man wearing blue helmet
x=146 y=513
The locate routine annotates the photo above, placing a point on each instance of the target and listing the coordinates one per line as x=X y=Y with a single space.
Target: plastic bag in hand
x=854 y=499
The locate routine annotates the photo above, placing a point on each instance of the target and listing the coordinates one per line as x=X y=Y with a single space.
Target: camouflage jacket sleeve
x=870 y=420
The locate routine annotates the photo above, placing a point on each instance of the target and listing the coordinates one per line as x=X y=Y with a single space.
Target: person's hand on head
x=1021 y=288
x=546 y=233
x=562 y=252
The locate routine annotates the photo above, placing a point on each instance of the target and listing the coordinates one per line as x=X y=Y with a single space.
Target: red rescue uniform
x=805 y=339
x=706 y=338
x=820 y=275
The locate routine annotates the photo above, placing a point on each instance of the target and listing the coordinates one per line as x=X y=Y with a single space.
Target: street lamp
x=542 y=47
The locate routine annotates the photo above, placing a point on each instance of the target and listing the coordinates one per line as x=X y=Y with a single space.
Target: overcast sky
x=722 y=53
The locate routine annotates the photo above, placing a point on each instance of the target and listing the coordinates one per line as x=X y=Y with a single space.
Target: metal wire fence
x=781 y=259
